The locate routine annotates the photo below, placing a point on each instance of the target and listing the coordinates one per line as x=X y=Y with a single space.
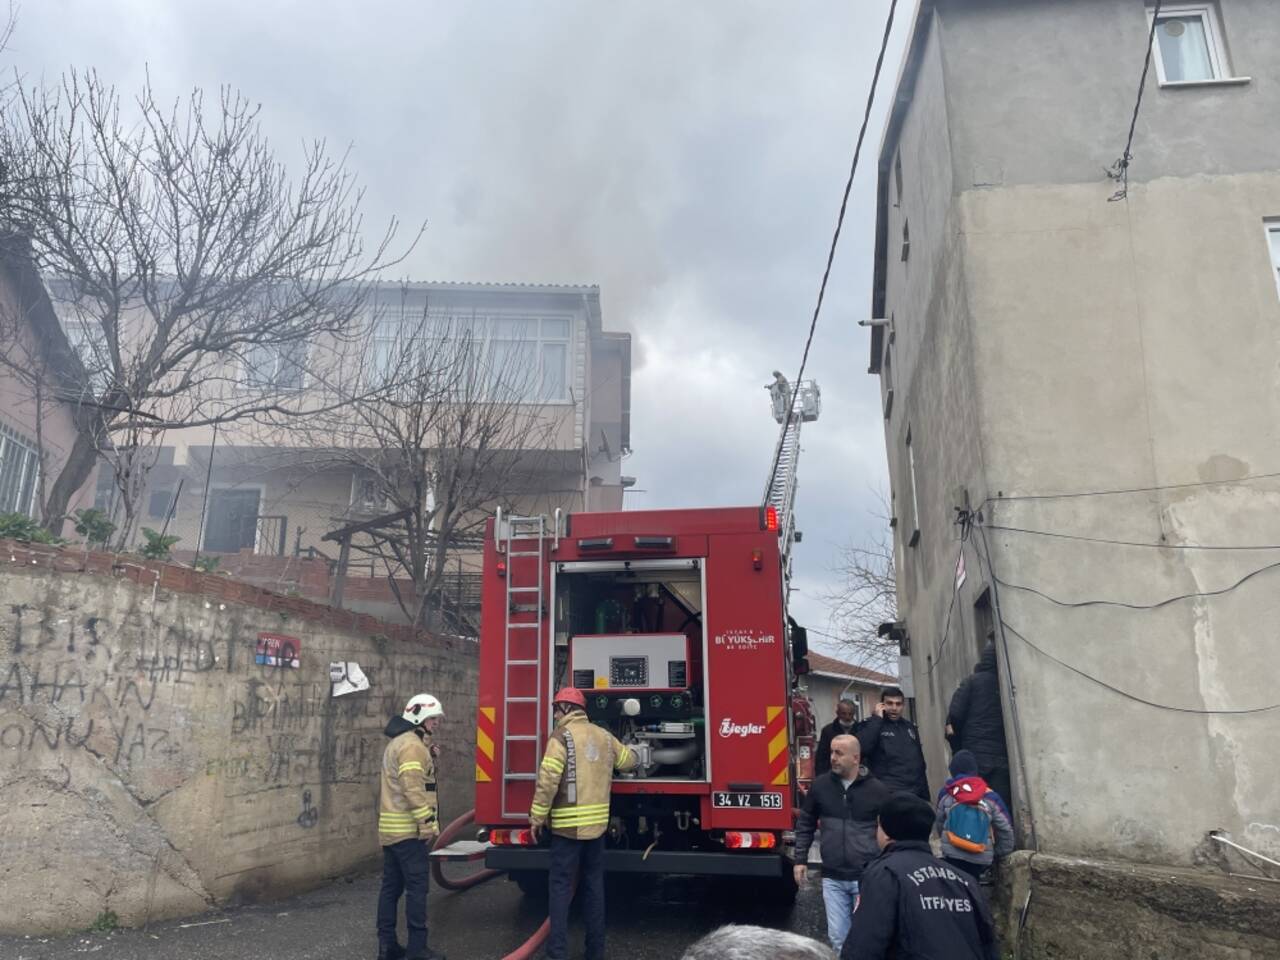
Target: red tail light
x=511 y=838
x=757 y=559
x=771 y=518
x=749 y=840
x=502 y=568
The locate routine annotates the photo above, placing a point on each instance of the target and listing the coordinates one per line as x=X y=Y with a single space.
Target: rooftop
x=825 y=666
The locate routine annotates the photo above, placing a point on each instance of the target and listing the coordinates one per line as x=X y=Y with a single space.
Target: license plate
x=752 y=801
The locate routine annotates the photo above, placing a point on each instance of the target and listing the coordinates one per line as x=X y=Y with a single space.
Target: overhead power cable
x=1130 y=696
x=835 y=238
x=1155 y=488
x=1133 y=543
x=1120 y=170
x=1139 y=606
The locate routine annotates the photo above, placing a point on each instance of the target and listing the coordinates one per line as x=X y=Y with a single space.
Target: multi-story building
x=40 y=383
x=1082 y=406
x=279 y=491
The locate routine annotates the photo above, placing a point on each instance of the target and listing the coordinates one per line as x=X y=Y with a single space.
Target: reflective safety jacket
x=407 y=808
x=575 y=776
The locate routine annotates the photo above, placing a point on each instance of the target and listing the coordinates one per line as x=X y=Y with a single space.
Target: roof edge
x=903 y=94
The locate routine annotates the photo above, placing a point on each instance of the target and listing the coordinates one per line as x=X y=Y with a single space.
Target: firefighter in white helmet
x=407 y=826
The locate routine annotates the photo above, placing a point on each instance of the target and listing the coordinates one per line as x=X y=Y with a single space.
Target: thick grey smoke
x=686 y=157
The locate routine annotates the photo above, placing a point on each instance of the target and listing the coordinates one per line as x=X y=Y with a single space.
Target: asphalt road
x=648 y=920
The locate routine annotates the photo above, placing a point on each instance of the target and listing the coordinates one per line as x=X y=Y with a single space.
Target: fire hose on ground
x=527 y=949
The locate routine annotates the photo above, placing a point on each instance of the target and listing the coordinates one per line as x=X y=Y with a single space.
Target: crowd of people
x=885 y=893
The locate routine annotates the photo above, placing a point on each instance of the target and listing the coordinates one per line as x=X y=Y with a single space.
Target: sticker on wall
x=277 y=650
x=347 y=677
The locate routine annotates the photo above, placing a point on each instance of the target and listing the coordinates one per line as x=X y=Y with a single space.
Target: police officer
x=407 y=826
x=573 y=788
x=913 y=905
x=891 y=746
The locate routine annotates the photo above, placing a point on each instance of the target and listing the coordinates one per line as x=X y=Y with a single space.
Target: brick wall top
x=211 y=586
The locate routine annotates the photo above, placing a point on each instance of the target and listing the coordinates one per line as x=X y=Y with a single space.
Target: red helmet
x=571 y=695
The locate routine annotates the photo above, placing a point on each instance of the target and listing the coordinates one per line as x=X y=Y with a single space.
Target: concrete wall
x=1062 y=344
x=148 y=766
x=931 y=358
x=1042 y=91
x=1151 y=365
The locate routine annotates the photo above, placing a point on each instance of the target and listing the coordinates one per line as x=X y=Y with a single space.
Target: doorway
x=233 y=520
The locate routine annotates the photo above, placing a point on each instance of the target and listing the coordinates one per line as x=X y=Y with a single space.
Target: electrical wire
x=1139 y=606
x=1130 y=696
x=1132 y=543
x=1120 y=170
x=1154 y=488
x=835 y=238
x=946 y=629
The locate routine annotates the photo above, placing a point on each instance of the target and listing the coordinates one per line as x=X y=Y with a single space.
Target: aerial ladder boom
x=792 y=408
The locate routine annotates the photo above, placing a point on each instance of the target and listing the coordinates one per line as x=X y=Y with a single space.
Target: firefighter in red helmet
x=574 y=782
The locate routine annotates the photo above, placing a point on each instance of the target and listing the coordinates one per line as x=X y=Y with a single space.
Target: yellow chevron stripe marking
x=770 y=713
x=777 y=744
x=489 y=712
x=485 y=743
x=781 y=779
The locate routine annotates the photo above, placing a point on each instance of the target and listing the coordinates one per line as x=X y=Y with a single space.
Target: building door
x=233 y=520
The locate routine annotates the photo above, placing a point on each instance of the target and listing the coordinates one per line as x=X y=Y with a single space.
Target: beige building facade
x=40 y=383
x=1082 y=407
x=279 y=491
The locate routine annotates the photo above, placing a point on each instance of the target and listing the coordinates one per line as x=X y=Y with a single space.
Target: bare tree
x=867 y=597
x=440 y=420
x=188 y=268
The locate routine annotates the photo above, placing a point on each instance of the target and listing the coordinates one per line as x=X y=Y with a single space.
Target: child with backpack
x=972 y=820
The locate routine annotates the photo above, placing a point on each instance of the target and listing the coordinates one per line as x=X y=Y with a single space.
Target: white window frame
x=250 y=381
x=483 y=328
x=86 y=341
x=1271 y=232
x=14 y=444
x=1218 y=60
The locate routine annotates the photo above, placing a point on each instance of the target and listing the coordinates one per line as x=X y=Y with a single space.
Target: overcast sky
x=687 y=157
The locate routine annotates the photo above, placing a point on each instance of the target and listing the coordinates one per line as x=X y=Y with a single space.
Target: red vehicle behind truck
x=673 y=624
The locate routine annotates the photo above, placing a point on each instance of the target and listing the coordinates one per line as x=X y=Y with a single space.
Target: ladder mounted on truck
x=522 y=541
x=792 y=408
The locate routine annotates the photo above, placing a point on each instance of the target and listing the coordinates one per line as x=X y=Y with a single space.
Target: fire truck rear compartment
x=630 y=636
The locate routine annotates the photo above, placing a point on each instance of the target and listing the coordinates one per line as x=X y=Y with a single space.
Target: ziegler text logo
x=730 y=729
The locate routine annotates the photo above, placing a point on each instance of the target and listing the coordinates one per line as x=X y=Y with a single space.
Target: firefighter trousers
x=583 y=859
x=405 y=869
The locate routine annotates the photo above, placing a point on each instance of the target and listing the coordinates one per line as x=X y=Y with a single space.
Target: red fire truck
x=672 y=624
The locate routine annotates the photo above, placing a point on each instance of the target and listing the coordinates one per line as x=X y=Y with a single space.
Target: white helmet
x=422 y=707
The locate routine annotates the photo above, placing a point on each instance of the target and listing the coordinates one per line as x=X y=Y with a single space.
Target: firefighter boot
x=391 y=951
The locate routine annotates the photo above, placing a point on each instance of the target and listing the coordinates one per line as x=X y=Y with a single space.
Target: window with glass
x=1188 y=41
x=517 y=357
x=19 y=469
x=86 y=339
x=275 y=366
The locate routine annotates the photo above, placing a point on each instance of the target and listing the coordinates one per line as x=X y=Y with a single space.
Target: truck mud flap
x=659 y=861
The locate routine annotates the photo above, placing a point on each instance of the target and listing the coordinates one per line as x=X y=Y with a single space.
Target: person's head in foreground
x=741 y=942
x=904 y=818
